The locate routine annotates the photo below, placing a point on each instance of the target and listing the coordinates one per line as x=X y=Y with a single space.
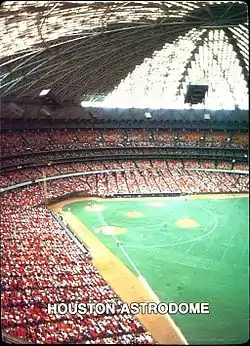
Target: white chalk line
x=147 y=286
x=157 y=300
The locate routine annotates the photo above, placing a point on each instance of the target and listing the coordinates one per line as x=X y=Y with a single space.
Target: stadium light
x=44 y=92
x=148 y=115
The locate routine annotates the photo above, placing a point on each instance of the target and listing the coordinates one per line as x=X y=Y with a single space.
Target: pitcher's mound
x=94 y=207
x=155 y=204
x=112 y=230
x=186 y=223
x=134 y=214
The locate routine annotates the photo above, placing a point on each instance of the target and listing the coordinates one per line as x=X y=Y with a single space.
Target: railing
x=123 y=148
x=8 y=339
x=113 y=153
x=69 y=175
x=71 y=234
x=219 y=170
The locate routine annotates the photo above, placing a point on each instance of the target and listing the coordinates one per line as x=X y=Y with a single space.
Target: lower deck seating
x=41 y=264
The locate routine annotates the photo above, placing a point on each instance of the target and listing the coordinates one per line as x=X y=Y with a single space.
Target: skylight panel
x=157 y=78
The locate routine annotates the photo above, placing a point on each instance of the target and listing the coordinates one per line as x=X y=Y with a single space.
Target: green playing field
x=188 y=251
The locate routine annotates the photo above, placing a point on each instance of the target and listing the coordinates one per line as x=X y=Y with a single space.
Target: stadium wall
x=131 y=195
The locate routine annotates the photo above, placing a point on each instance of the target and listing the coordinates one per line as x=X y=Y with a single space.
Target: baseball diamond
x=194 y=250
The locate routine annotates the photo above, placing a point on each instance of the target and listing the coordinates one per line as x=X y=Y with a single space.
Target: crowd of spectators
x=224 y=165
x=192 y=138
x=13 y=177
x=241 y=166
x=37 y=140
x=41 y=265
x=144 y=180
x=138 y=176
x=33 y=244
x=222 y=139
x=240 y=140
x=35 y=159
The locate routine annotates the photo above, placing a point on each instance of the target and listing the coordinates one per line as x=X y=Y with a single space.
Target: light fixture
x=44 y=92
x=148 y=115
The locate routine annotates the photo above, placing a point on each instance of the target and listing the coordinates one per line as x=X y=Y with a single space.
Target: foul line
x=103 y=223
x=157 y=300
x=145 y=284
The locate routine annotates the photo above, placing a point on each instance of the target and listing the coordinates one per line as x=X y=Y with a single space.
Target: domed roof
x=125 y=53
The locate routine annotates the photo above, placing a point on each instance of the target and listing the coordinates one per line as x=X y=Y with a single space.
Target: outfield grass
x=207 y=262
